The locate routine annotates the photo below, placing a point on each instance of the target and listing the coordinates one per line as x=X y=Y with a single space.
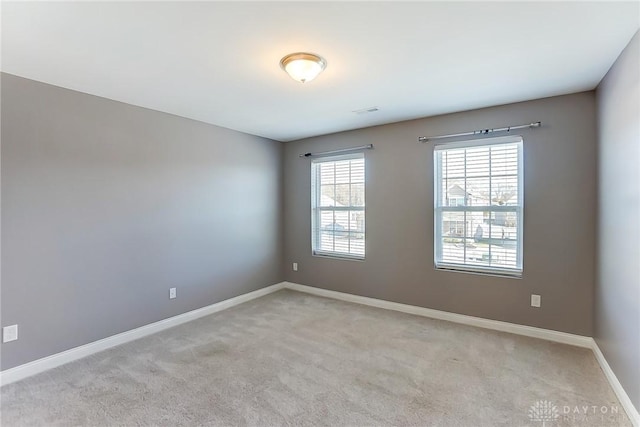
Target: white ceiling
x=218 y=62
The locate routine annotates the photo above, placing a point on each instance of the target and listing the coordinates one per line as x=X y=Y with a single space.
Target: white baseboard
x=623 y=397
x=496 y=325
x=37 y=366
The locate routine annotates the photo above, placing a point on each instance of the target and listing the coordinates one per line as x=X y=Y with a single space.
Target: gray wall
x=617 y=314
x=105 y=206
x=559 y=218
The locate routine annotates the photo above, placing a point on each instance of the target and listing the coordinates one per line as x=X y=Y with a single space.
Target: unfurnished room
x=323 y=213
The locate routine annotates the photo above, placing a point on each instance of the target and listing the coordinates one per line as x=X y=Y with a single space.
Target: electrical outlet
x=295 y=266
x=535 y=300
x=172 y=293
x=10 y=333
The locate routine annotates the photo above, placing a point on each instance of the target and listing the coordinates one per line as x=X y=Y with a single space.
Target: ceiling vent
x=366 y=110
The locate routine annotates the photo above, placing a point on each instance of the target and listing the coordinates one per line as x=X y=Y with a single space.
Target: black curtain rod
x=343 y=150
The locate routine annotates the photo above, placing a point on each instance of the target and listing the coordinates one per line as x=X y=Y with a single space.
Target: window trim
x=515 y=272
x=316 y=209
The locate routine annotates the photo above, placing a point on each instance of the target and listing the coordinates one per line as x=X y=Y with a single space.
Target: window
x=478 y=205
x=337 y=206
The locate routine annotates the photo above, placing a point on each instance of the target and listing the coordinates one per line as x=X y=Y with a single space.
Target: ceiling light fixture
x=303 y=66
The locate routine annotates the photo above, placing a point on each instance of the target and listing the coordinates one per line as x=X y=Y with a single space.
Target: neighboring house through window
x=338 y=206
x=478 y=205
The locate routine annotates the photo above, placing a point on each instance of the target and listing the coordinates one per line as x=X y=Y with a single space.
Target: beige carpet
x=296 y=359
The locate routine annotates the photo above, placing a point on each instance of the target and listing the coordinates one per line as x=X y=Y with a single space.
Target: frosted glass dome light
x=302 y=66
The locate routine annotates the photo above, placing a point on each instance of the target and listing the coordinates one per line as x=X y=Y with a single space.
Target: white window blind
x=338 y=206
x=478 y=205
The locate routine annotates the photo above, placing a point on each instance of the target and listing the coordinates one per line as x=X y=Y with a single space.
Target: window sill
x=480 y=271
x=332 y=255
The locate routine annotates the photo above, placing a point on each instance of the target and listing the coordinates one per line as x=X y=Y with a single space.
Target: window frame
x=515 y=272
x=317 y=209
